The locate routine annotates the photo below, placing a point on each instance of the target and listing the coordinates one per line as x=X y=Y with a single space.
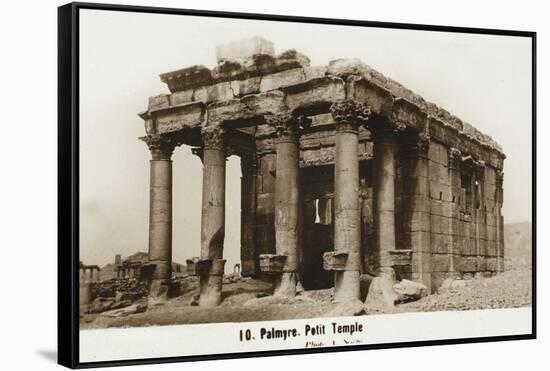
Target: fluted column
x=348 y=115
x=160 y=213
x=213 y=215
x=287 y=198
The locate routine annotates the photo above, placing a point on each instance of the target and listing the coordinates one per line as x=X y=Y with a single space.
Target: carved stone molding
x=161 y=146
x=213 y=137
x=349 y=115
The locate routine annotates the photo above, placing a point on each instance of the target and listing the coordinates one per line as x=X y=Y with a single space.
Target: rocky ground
x=248 y=300
x=511 y=289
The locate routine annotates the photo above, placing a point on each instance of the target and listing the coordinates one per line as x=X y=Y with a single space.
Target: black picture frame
x=68 y=179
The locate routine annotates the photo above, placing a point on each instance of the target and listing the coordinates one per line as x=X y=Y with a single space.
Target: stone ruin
x=88 y=275
x=345 y=172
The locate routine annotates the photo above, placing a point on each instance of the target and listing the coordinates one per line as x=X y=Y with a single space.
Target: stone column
x=455 y=158
x=348 y=115
x=479 y=220
x=286 y=201
x=417 y=207
x=213 y=215
x=499 y=225
x=160 y=213
x=249 y=252
x=384 y=158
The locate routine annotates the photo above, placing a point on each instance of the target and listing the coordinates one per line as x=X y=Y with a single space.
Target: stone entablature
x=257 y=90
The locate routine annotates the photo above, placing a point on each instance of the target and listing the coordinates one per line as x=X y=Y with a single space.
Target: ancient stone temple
x=344 y=172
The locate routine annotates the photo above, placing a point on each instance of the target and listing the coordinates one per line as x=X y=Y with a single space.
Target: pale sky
x=485 y=80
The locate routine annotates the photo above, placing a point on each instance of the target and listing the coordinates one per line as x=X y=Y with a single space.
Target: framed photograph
x=240 y=185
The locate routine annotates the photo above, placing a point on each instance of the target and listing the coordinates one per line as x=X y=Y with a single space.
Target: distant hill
x=518 y=244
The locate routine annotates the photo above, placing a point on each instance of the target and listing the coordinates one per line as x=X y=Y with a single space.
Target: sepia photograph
x=264 y=185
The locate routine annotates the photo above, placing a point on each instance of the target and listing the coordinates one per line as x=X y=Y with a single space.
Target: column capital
x=161 y=146
x=349 y=115
x=287 y=125
x=213 y=137
x=480 y=169
x=499 y=179
x=420 y=144
x=455 y=157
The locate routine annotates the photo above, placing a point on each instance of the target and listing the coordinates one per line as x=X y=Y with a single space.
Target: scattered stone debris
x=381 y=294
x=409 y=291
x=510 y=289
x=354 y=307
x=122 y=312
x=450 y=284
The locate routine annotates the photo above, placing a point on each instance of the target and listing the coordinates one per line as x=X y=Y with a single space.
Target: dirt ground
x=507 y=290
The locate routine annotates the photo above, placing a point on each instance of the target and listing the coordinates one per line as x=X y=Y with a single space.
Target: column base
x=210 y=290
x=286 y=285
x=159 y=291
x=85 y=293
x=381 y=293
x=346 y=286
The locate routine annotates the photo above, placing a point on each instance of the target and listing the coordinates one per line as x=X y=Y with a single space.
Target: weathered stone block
x=318 y=91
x=421 y=262
x=440 y=243
x=402 y=257
x=335 y=261
x=377 y=98
x=419 y=186
x=271 y=263
x=198 y=267
x=435 y=224
x=182 y=97
x=440 y=262
x=438 y=278
x=481 y=264
x=492 y=248
x=405 y=111
x=246 y=86
x=158 y=102
x=291 y=77
x=345 y=67
x=409 y=291
x=491 y=264
x=416 y=221
x=419 y=241
x=469 y=264
x=417 y=203
x=188 y=116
